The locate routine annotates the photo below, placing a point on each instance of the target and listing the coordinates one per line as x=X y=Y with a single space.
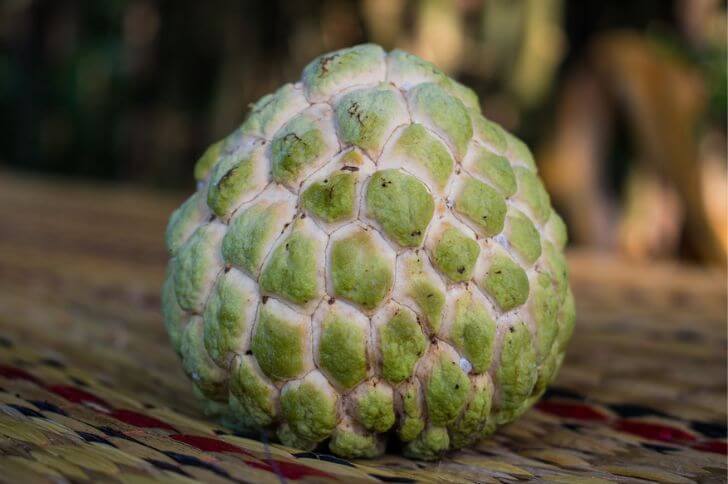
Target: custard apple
x=368 y=259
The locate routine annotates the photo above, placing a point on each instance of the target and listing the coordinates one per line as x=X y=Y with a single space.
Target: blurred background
x=623 y=103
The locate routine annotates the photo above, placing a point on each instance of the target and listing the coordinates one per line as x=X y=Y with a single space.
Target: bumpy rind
x=367 y=254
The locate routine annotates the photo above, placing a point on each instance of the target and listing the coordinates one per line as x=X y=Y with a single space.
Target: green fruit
x=368 y=257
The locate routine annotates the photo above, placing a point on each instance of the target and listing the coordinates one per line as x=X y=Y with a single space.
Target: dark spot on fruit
x=325 y=61
x=354 y=112
x=227 y=175
x=264 y=299
x=349 y=168
x=331 y=300
x=461 y=269
x=291 y=138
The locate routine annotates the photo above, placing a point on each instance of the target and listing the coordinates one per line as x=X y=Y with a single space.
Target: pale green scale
x=544 y=308
x=418 y=144
x=209 y=378
x=251 y=234
x=455 y=254
x=367 y=117
x=279 y=344
x=309 y=408
x=332 y=199
x=401 y=204
x=430 y=444
x=405 y=69
x=495 y=169
x=467 y=428
x=198 y=263
x=291 y=271
x=359 y=271
x=558 y=269
x=331 y=72
x=229 y=312
x=447 y=113
x=231 y=180
x=342 y=349
x=567 y=319
x=374 y=408
x=430 y=300
x=523 y=236
x=423 y=289
x=468 y=97
x=489 y=132
x=506 y=282
x=446 y=390
x=556 y=228
x=252 y=398
x=517 y=372
x=412 y=418
x=183 y=222
x=348 y=443
x=482 y=205
x=402 y=343
x=270 y=111
x=297 y=147
x=547 y=370
x=473 y=331
x=533 y=193
x=174 y=317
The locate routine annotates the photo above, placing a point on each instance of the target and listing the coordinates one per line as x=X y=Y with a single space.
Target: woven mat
x=89 y=389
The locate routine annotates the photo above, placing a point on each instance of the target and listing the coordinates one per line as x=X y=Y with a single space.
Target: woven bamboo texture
x=91 y=391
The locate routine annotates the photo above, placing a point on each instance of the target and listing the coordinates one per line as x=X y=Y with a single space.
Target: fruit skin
x=368 y=256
